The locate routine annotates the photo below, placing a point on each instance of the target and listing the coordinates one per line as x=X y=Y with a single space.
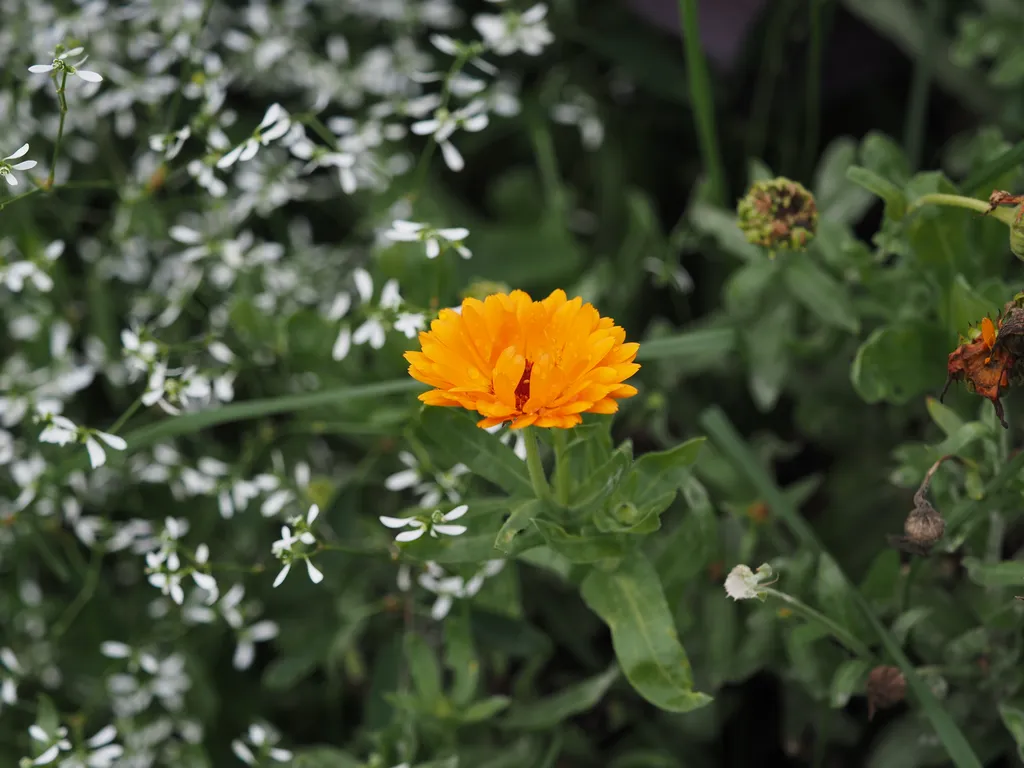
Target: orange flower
x=510 y=358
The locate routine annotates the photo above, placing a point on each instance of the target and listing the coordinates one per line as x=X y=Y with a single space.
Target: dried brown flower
x=886 y=687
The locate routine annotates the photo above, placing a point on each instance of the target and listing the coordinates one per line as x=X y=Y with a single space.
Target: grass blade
x=703 y=101
x=729 y=442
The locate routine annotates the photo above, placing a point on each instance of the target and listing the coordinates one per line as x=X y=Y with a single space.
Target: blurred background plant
x=231 y=219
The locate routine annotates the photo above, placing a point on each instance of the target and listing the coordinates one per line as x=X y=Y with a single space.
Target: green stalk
x=561 y=467
x=703 y=104
x=541 y=488
x=840 y=633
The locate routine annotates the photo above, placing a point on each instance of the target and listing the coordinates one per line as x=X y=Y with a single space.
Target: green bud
x=778 y=214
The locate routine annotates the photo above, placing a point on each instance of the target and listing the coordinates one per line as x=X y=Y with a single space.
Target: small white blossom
x=258 y=745
x=438 y=524
x=433 y=239
x=273 y=126
x=472 y=117
x=61 y=64
x=512 y=31
x=6 y=166
x=55 y=744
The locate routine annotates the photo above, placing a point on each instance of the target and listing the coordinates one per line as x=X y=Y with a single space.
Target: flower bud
x=886 y=687
x=778 y=214
x=924 y=526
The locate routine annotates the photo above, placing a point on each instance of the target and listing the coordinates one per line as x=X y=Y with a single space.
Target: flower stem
x=838 y=632
x=561 y=467
x=1005 y=215
x=63 y=108
x=533 y=464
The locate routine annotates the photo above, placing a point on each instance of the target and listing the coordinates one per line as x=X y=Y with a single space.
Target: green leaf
x=324 y=757
x=630 y=601
x=883 y=156
x=1013 y=719
x=512 y=536
x=819 y=292
x=485 y=709
x=839 y=200
x=587 y=548
x=848 y=680
x=967 y=306
x=457 y=434
x=659 y=473
x=895 y=200
x=424 y=669
x=461 y=658
x=705 y=343
x=766 y=344
x=551 y=710
x=604 y=480
x=944 y=417
x=1009 y=573
x=747 y=286
x=896 y=364
x=723 y=227
x=687 y=550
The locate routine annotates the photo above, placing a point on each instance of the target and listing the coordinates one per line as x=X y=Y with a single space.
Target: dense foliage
x=710 y=513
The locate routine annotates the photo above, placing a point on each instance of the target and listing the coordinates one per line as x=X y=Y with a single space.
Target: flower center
x=523 y=387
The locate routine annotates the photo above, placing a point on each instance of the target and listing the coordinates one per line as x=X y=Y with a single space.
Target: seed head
x=778 y=214
x=886 y=687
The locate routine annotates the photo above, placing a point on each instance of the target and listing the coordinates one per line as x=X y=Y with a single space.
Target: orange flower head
x=510 y=358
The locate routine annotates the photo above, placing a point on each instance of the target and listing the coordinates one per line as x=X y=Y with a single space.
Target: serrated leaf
x=551 y=710
x=631 y=602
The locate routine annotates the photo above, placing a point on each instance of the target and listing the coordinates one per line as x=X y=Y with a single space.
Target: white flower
x=98 y=456
x=472 y=117
x=373 y=330
x=439 y=524
x=439 y=485
x=744 y=584
x=55 y=744
x=418 y=527
x=283 y=547
x=512 y=31
x=60 y=64
x=273 y=126
x=412 y=231
x=262 y=741
x=581 y=111
x=6 y=167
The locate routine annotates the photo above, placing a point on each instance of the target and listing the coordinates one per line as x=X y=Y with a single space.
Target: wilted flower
x=984 y=365
x=745 y=584
x=886 y=687
x=778 y=214
x=510 y=358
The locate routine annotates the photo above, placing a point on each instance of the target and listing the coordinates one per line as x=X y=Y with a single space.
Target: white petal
x=281 y=576
x=364 y=284
x=40 y=68
x=104 y=736
x=433 y=248
x=398 y=522
x=314 y=510
x=342 y=345
x=450 y=530
x=37 y=733
x=245 y=652
x=452 y=158
x=24 y=165
x=89 y=77
x=399 y=481
x=242 y=752
x=456 y=513
x=97 y=456
x=18 y=152
x=274 y=113
x=48 y=756
x=186 y=235
x=115 y=442
x=314 y=575
x=454 y=233
x=9 y=178
x=410 y=535
x=441 y=606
